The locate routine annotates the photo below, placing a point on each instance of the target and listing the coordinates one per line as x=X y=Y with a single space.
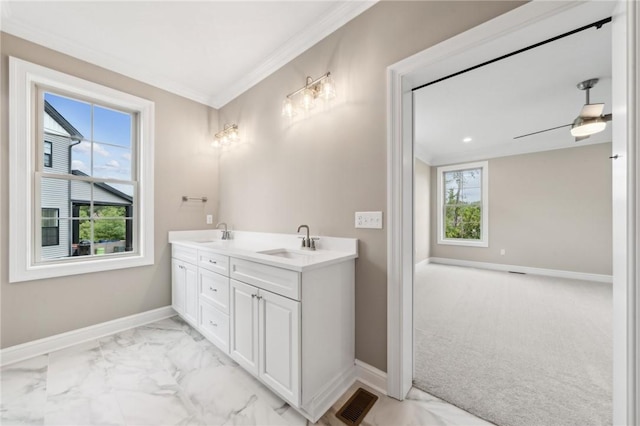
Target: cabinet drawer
x=277 y=280
x=214 y=262
x=215 y=288
x=215 y=326
x=187 y=254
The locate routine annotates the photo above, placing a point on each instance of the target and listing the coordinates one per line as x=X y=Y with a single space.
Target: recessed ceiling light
x=467 y=140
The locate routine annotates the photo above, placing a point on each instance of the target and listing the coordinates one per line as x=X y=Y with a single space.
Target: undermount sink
x=288 y=253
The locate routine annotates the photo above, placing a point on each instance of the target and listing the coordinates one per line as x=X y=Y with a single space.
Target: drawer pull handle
x=213 y=289
x=253 y=295
x=259 y=297
x=212 y=261
x=213 y=323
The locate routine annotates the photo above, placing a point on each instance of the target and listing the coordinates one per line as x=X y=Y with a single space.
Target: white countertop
x=252 y=245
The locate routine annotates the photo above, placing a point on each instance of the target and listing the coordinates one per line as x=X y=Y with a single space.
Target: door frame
x=625 y=239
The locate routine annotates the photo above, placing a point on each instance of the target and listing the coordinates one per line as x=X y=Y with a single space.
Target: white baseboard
x=27 y=350
x=371 y=376
x=524 y=269
x=424 y=262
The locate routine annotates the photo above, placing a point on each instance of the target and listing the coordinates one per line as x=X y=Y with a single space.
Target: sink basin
x=288 y=253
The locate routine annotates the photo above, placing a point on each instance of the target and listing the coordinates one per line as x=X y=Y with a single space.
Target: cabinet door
x=243 y=344
x=191 y=294
x=178 y=286
x=279 y=343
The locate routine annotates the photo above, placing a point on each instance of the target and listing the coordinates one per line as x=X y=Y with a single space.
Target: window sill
x=464 y=243
x=51 y=270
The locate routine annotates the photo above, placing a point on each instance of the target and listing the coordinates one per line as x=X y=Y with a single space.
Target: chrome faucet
x=307 y=242
x=226 y=235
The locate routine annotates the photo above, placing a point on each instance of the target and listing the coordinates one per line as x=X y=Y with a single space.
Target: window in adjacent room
x=463 y=204
x=92 y=208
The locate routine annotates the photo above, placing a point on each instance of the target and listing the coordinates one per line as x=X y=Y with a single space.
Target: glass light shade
x=587 y=126
x=328 y=89
x=215 y=143
x=308 y=99
x=287 y=108
x=233 y=135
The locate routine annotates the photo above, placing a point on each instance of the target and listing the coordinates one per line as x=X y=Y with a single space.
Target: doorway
x=531 y=22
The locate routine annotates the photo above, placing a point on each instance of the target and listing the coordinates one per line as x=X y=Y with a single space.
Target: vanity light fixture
x=226 y=136
x=305 y=97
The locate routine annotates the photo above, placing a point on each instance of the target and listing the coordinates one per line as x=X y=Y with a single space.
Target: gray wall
x=320 y=170
x=184 y=164
x=422 y=210
x=548 y=210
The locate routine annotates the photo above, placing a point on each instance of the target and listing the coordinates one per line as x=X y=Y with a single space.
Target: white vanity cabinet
x=294 y=330
x=184 y=276
x=290 y=321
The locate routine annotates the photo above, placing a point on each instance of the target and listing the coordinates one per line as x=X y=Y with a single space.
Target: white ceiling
x=208 y=51
x=525 y=93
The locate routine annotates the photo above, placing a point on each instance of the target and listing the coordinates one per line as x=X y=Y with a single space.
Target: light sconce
x=305 y=98
x=226 y=136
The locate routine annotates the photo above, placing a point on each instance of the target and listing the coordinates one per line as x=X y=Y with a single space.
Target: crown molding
x=297 y=44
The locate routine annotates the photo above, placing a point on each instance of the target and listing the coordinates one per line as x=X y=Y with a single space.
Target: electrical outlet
x=369 y=220
x=209 y=219
x=503 y=252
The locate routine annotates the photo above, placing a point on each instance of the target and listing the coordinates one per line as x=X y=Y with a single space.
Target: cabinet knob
x=213 y=289
x=253 y=295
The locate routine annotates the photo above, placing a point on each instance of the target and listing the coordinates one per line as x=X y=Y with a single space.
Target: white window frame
x=484 y=230
x=24 y=80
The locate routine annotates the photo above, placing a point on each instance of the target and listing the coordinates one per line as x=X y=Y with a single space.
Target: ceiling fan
x=588 y=122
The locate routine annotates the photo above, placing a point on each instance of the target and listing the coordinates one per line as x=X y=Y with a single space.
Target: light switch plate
x=369 y=220
x=209 y=219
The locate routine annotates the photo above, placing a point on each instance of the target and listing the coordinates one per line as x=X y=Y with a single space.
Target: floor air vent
x=354 y=410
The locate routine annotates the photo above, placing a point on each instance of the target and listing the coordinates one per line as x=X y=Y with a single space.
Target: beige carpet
x=516 y=350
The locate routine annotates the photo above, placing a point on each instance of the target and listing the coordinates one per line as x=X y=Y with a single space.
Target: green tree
x=107 y=223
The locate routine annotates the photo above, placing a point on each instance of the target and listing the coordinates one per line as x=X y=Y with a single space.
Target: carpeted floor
x=516 y=350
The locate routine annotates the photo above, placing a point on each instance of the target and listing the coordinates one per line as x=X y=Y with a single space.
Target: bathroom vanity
x=284 y=314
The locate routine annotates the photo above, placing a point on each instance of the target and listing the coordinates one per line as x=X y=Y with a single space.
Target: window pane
x=105 y=230
x=81 y=158
x=111 y=162
x=472 y=178
x=463 y=222
x=470 y=195
x=112 y=127
x=63 y=115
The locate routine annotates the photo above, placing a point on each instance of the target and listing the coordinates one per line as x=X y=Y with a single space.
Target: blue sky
x=107 y=138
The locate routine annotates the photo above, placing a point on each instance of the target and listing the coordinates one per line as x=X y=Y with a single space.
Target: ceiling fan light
x=587 y=126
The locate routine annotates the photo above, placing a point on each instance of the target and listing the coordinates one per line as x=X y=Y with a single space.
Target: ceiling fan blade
x=592 y=110
x=607 y=117
x=580 y=138
x=542 y=131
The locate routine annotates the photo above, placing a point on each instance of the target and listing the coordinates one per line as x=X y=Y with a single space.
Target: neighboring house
x=62 y=200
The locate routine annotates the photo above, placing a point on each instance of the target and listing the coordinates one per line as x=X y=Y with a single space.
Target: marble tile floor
x=166 y=373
